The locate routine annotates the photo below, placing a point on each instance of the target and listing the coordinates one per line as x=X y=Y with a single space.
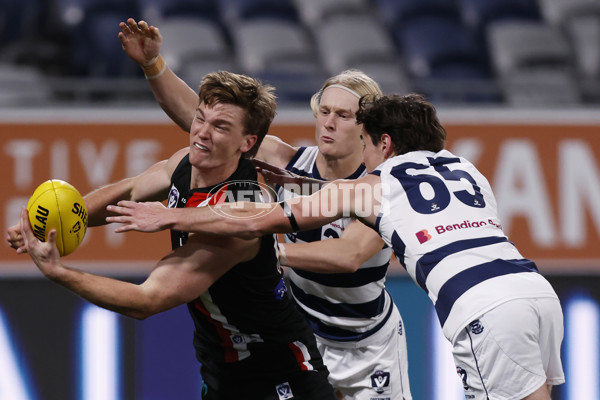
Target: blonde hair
x=353 y=79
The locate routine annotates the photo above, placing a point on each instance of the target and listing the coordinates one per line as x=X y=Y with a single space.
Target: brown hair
x=248 y=93
x=410 y=120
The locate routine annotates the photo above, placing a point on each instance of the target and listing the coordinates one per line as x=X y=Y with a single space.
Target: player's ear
x=248 y=142
x=387 y=146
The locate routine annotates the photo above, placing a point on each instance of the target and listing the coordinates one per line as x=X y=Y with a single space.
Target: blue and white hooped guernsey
x=342 y=308
x=439 y=215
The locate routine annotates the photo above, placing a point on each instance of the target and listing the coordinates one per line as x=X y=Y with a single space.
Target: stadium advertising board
x=546 y=178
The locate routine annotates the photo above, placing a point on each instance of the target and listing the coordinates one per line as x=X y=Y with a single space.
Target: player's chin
x=329 y=149
x=199 y=160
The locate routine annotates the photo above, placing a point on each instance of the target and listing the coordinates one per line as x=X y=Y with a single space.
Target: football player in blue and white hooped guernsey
x=358 y=328
x=438 y=213
x=503 y=318
x=340 y=284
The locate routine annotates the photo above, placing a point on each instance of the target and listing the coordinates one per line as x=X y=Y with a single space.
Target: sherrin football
x=56 y=204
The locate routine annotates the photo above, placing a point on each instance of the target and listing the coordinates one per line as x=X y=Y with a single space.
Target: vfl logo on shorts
x=380 y=380
x=284 y=391
x=173 y=197
x=476 y=327
x=463 y=377
x=280 y=290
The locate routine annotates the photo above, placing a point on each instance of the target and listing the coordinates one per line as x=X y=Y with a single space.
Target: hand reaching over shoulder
x=141 y=42
x=279 y=176
x=141 y=217
x=276 y=175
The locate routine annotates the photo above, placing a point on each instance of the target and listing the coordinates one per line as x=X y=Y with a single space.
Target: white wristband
x=282 y=258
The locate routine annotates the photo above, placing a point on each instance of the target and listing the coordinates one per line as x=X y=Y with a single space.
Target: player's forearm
x=324 y=256
x=97 y=200
x=122 y=297
x=175 y=97
x=303 y=186
x=326 y=205
x=249 y=220
x=244 y=219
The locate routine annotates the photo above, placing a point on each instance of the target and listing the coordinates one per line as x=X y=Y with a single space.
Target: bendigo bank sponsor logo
x=466 y=225
x=424 y=236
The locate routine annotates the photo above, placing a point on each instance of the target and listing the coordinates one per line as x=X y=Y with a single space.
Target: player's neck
x=337 y=168
x=205 y=177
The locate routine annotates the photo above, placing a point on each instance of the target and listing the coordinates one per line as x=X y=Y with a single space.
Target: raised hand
x=141 y=42
x=141 y=217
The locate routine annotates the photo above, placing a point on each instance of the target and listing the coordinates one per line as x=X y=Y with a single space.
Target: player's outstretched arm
x=46 y=257
x=346 y=254
x=247 y=219
x=180 y=277
x=142 y=43
x=151 y=185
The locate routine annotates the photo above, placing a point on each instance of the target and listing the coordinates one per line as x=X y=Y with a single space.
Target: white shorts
x=512 y=350
x=377 y=370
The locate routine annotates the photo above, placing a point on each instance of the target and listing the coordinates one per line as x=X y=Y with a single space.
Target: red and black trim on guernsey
x=247 y=327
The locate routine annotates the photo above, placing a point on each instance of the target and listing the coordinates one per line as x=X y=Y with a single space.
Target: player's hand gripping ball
x=56 y=204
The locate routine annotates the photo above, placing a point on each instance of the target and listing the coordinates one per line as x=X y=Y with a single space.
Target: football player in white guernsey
x=358 y=327
x=438 y=213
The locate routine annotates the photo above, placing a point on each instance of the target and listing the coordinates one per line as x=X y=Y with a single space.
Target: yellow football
x=56 y=204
